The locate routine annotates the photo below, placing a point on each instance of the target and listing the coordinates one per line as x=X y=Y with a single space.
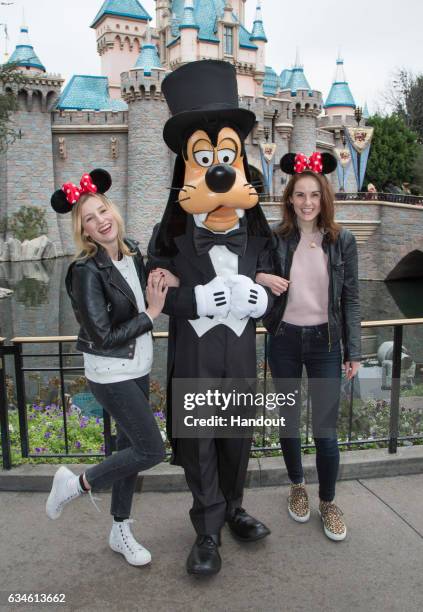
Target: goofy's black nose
x=220 y=178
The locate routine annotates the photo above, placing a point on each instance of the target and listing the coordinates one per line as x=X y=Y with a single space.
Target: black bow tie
x=235 y=241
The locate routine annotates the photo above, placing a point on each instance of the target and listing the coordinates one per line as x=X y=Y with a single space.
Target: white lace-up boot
x=65 y=488
x=122 y=541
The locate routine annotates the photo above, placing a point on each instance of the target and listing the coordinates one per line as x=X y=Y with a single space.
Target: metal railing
x=363 y=196
x=19 y=357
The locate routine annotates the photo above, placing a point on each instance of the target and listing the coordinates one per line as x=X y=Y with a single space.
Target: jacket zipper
x=331 y=290
x=90 y=344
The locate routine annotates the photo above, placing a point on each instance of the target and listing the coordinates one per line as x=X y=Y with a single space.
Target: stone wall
x=30 y=169
x=85 y=151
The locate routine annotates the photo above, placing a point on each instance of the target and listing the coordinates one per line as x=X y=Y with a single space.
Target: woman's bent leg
x=128 y=405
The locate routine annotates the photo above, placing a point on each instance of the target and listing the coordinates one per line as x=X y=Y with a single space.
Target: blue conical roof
x=149 y=58
x=340 y=93
x=366 y=113
x=24 y=54
x=188 y=19
x=258 y=28
x=285 y=78
x=297 y=80
x=122 y=8
x=206 y=15
x=271 y=82
x=89 y=93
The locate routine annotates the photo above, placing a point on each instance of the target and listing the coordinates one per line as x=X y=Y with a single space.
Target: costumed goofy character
x=213 y=236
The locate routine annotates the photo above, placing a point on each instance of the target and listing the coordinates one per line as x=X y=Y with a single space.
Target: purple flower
x=78 y=444
x=38 y=450
x=159 y=415
x=47 y=435
x=82 y=424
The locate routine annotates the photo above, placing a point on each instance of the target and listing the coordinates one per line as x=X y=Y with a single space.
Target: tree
x=404 y=97
x=9 y=78
x=394 y=151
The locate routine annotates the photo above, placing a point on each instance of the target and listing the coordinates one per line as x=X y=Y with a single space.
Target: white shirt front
x=104 y=370
x=225 y=264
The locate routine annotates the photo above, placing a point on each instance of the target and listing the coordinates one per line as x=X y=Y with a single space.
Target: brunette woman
x=315 y=323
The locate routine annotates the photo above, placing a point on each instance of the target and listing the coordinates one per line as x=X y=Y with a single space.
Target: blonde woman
x=115 y=307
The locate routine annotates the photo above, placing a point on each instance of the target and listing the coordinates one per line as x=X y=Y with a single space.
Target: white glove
x=213 y=299
x=247 y=298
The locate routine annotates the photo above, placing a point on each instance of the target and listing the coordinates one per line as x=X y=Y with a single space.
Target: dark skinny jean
x=289 y=351
x=139 y=441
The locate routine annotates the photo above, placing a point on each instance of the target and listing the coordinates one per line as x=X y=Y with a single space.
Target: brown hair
x=85 y=247
x=326 y=219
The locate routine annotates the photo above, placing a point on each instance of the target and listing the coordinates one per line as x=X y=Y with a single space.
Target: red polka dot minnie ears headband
x=320 y=163
x=64 y=199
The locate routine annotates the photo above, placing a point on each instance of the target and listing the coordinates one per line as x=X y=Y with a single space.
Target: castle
x=115 y=121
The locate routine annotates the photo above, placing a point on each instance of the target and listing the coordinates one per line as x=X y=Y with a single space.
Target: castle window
x=228 y=40
x=118 y=26
x=126 y=27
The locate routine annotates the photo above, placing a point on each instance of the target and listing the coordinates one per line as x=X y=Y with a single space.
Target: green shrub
x=28 y=223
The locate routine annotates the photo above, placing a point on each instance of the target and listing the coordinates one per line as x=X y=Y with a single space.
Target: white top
x=308 y=294
x=225 y=264
x=117 y=369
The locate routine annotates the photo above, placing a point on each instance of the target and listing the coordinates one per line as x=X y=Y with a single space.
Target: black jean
x=139 y=441
x=292 y=349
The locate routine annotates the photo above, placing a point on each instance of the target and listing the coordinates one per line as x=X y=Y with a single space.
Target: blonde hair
x=85 y=246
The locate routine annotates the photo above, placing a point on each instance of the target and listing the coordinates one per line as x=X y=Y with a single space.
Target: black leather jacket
x=105 y=306
x=344 y=303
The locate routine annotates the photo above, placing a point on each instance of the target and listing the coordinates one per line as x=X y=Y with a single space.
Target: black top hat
x=203 y=91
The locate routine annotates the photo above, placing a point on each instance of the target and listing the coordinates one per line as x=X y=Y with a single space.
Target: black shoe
x=246 y=528
x=204 y=558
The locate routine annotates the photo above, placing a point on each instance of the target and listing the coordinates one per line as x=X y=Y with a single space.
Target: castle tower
x=149 y=160
x=306 y=107
x=188 y=33
x=26 y=167
x=119 y=26
x=24 y=55
x=340 y=100
x=258 y=37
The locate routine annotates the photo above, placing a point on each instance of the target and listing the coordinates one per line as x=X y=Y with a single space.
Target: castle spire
x=340 y=94
x=24 y=55
x=148 y=58
x=188 y=19
x=258 y=32
x=295 y=78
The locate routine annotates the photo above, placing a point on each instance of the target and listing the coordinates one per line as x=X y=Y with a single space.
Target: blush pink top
x=308 y=293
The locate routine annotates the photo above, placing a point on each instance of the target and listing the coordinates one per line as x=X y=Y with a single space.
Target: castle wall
x=3 y=186
x=81 y=148
x=30 y=168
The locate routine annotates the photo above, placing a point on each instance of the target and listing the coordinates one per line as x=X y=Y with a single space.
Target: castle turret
x=340 y=100
x=119 y=26
x=149 y=160
x=306 y=107
x=258 y=37
x=188 y=33
x=24 y=55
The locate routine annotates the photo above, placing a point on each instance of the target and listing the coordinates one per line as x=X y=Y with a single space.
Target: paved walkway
x=379 y=567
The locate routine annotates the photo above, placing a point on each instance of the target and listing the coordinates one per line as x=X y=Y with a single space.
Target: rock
x=5 y=292
x=28 y=250
x=4 y=251
x=15 y=249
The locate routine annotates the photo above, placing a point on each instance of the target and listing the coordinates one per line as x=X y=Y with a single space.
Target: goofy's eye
x=204 y=158
x=226 y=156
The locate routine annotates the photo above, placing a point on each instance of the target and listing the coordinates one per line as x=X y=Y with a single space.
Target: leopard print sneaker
x=333 y=523
x=298 y=506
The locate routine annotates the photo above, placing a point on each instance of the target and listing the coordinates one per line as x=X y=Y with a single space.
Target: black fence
x=15 y=350
x=364 y=196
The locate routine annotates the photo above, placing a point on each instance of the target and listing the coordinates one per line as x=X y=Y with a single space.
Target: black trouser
x=139 y=441
x=215 y=469
x=288 y=352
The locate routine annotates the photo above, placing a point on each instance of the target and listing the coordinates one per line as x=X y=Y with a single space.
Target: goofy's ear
x=287 y=163
x=329 y=163
x=101 y=179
